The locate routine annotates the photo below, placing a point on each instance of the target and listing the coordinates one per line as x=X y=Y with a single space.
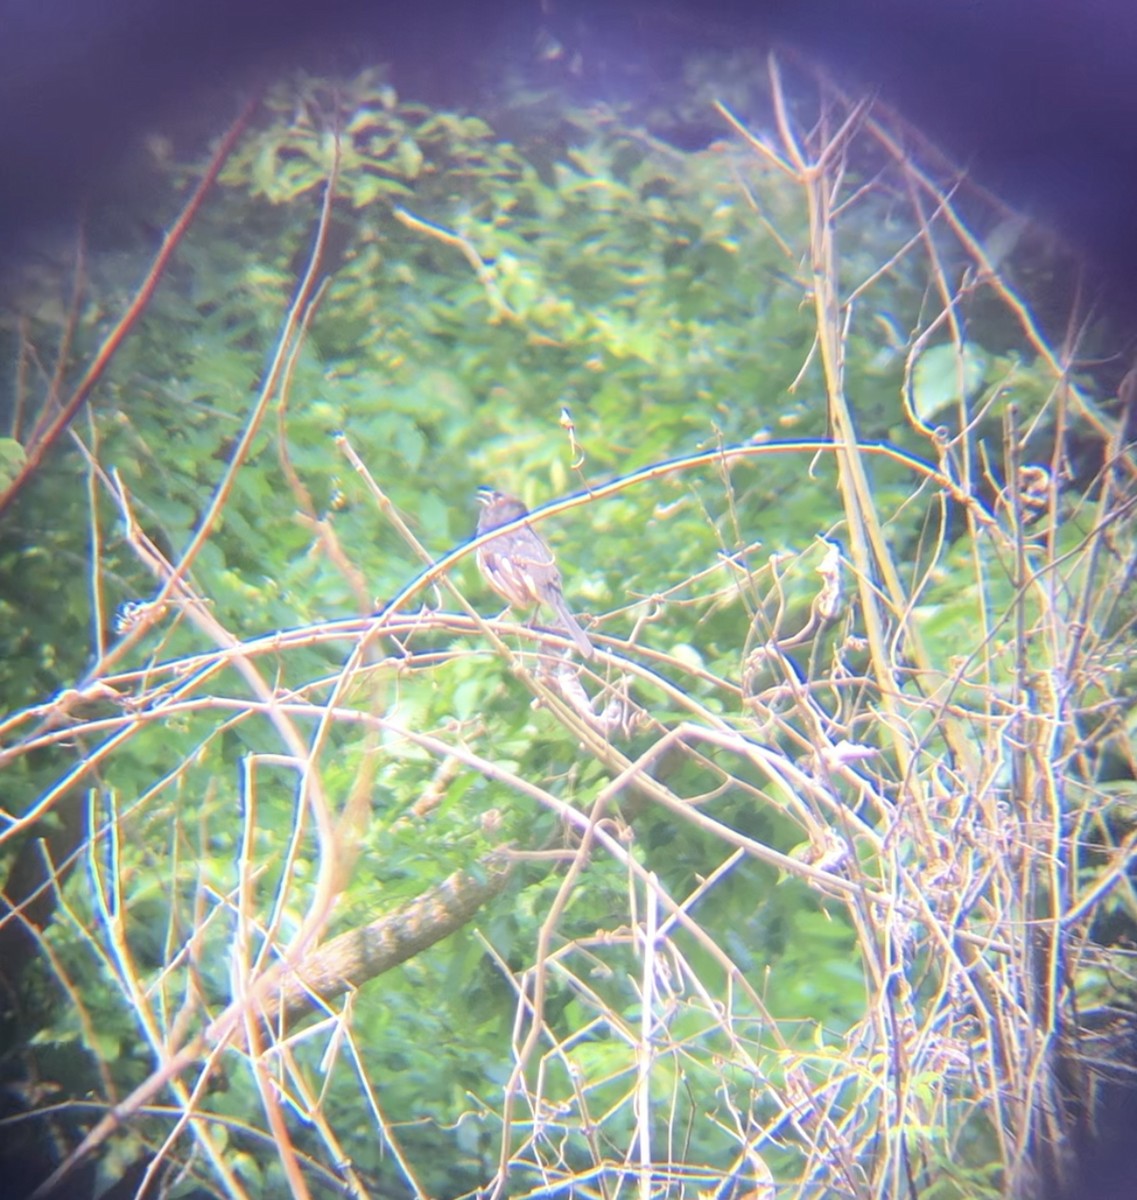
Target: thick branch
x=359 y=955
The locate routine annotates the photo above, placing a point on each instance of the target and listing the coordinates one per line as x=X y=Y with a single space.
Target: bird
x=520 y=567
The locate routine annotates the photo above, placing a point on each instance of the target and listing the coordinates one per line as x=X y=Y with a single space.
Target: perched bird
x=520 y=567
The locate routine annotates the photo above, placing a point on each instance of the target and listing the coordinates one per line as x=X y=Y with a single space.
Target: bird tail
x=570 y=626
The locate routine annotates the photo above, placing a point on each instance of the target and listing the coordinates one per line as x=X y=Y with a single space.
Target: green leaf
x=12 y=459
x=944 y=376
x=409 y=158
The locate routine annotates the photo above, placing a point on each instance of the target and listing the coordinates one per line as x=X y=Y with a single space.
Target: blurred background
x=1035 y=99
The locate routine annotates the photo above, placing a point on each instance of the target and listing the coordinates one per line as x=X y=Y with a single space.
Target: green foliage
x=833 y=783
